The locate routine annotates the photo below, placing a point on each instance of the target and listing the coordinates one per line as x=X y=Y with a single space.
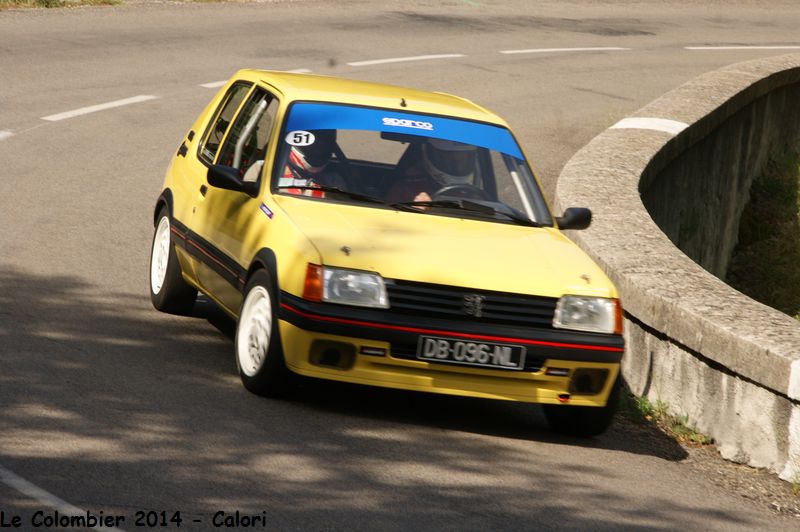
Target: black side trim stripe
x=208 y=254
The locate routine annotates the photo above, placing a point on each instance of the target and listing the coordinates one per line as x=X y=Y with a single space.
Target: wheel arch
x=165 y=199
x=265 y=260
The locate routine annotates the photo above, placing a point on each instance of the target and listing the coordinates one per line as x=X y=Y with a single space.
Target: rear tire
x=583 y=421
x=168 y=291
x=259 y=355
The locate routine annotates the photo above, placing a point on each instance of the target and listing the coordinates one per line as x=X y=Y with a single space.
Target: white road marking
x=548 y=50
x=100 y=107
x=656 y=124
x=214 y=84
x=741 y=47
x=41 y=496
x=404 y=59
x=218 y=84
x=5 y=134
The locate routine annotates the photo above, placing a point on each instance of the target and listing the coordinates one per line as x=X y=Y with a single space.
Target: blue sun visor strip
x=310 y=116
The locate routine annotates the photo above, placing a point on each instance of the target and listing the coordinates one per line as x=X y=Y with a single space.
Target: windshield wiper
x=470 y=206
x=430 y=203
x=521 y=220
x=336 y=190
x=353 y=195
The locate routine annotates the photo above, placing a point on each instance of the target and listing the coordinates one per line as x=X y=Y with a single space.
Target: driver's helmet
x=316 y=156
x=449 y=162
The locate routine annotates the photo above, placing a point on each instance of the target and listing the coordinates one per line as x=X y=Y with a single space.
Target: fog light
x=329 y=354
x=587 y=381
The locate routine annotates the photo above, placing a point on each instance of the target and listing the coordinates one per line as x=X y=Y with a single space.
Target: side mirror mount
x=575 y=218
x=227 y=177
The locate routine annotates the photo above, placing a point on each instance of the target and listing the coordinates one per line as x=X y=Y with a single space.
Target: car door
x=190 y=167
x=225 y=221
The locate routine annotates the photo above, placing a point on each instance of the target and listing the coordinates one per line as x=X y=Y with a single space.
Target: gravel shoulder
x=758 y=487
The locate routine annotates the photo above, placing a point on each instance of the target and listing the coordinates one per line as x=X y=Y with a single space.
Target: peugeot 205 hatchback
x=386 y=236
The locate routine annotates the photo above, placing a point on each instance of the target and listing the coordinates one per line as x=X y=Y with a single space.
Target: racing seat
x=411 y=156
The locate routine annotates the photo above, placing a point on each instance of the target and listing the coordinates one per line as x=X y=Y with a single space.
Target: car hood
x=447 y=250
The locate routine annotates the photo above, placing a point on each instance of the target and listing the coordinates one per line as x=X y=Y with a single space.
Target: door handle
x=183 y=150
x=203 y=190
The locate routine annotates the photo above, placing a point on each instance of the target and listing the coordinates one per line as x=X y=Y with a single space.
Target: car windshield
x=389 y=159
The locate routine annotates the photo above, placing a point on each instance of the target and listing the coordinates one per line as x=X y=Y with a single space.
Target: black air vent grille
x=449 y=302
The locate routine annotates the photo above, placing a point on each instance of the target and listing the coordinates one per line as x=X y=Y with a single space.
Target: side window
x=246 y=142
x=217 y=129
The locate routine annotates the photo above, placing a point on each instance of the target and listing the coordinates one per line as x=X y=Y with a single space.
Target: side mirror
x=575 y=218
x=227 y=177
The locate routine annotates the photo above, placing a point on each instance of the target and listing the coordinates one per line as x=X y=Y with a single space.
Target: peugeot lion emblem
x=473 y=305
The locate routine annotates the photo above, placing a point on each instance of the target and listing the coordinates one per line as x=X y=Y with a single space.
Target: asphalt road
x=106 y=404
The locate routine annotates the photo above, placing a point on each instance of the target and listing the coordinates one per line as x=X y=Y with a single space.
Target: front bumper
x=305 y=325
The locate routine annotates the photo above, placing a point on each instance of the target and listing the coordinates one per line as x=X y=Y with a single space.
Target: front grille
x=440 y=301
x=410 y=353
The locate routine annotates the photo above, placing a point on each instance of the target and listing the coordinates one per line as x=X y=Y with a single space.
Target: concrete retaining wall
x=669 y=189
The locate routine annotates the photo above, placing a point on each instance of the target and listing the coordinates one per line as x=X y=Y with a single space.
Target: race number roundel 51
x=300 y=138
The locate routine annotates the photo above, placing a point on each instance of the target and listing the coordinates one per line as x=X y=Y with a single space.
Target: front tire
x=168 y=291
x=259 y=355
x=583 y=421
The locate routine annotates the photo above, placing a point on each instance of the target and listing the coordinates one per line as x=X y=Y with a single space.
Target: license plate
x=466 y=352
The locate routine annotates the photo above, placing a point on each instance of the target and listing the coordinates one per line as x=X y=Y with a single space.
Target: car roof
x=312 y=87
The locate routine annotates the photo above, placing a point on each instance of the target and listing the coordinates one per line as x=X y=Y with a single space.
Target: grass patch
x=642 y=410
x=766 y=262
x=9 y=4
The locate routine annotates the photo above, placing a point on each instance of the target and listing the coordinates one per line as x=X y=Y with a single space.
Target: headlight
x=583 y=313
x=353 y=287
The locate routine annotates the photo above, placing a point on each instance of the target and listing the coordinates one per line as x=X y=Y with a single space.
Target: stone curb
x=661 y=287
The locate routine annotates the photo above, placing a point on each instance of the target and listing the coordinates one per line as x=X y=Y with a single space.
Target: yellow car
x=386 y=236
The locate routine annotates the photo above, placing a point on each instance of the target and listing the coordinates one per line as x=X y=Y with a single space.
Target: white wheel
x=159 y=259
x=259 y=353
x=255 y=331
x=168 y=290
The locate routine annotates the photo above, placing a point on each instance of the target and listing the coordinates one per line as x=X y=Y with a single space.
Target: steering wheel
x=466 y=191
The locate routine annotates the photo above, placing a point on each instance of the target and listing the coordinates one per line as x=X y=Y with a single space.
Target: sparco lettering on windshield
x=404 y=122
